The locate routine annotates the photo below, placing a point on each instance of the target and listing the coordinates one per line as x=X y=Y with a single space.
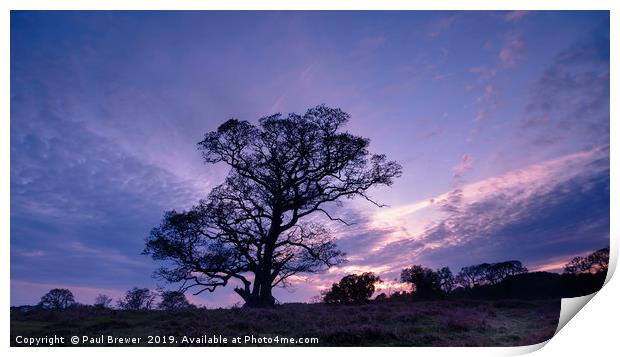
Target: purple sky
x=500 y=120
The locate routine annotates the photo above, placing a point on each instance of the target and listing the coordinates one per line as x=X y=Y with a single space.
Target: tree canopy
x=137 y=299
x=595 y=262
x=426 y=283
x=174 y=300
x=489 y=273
x=260 y=227
x=103 y=301
x=352 y=289
x=57 y=299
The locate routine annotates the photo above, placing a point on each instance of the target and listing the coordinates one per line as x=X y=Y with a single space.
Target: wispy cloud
x=515 y=16
x=28 y=253
x=512 y=52
x=439 y=77
x=368 y=45
x=442 y=24
x=466 y=164
x=480 y=116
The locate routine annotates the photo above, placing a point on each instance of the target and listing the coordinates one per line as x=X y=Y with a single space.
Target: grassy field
x=391 y=323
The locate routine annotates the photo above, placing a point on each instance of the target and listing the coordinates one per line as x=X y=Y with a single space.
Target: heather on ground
x=390 y=323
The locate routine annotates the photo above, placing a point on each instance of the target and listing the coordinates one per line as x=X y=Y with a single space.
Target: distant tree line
x=134 y=299
x=509 y=279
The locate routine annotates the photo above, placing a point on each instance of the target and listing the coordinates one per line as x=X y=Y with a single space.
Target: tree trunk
x=261 y=289
x=260 y=296
x=266 y=299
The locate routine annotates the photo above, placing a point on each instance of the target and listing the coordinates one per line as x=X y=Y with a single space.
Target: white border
x=593 y=329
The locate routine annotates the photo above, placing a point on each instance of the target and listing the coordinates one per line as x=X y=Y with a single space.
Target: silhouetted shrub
x=174 y=300
x=137 y=299
x=103 y=301
x=352 y=289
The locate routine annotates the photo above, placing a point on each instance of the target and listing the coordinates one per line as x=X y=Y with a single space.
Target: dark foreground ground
x=392 y=323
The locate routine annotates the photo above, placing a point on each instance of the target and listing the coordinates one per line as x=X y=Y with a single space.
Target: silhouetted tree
x=254 y=228
x=103 y=301
x=426 y=282
x=352 y=289
x=593 y=263
x=485 y=273
x=472 y=276
x=57 y=299
x=497 y=272
x=137 y=299
x=577 y=265
x=447 y=281
x=174 y=300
